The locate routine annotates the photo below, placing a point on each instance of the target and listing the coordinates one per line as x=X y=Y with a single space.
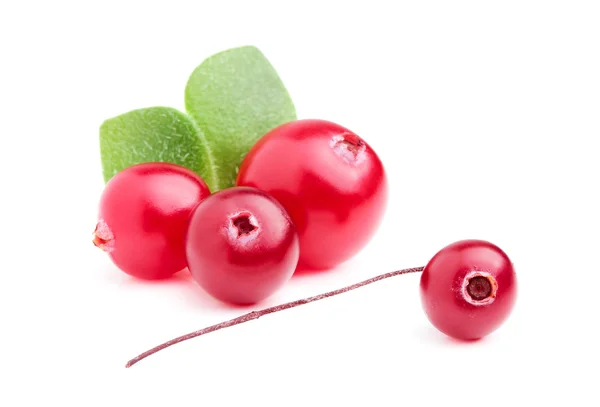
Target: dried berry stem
x=257 y=314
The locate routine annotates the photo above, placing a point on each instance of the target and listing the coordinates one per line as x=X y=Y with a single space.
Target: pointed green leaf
x=235 y=97
x=154 y=134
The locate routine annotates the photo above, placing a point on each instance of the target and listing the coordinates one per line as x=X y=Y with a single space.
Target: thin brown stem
x=257 y=314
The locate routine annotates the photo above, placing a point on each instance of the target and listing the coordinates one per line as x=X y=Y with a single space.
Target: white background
x=486 y=115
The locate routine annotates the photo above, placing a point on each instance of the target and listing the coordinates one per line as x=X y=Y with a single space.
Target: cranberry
x=143 y=215
x=241 y=245
x=330 y=181
x=468 y=289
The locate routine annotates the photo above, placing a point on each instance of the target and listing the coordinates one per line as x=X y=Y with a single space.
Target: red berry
x=468 y=289
x=241 y=245
x=143 y=215
x=330 y=181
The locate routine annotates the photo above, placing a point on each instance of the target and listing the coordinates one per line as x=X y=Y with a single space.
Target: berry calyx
x=349 y=146
x=103 y=237
x=243 y=224
x=479 y=288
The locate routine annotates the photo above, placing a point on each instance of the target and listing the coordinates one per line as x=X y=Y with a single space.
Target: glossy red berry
x=468 y=289
x=143 y=215
x=241 y=245
x=330 y=181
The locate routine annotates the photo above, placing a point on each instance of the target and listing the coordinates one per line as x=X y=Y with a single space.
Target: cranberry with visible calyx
x=241 y=245
x=143 y=215
x=468 y=289
x=330 y=181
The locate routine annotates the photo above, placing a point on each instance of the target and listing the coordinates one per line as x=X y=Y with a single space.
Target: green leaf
x=235 y=97
x=154 y=134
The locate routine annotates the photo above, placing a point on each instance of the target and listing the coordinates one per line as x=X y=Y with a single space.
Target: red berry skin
x=241 y=245
x=330 y=181
x=143 y=216
x=468 y=289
